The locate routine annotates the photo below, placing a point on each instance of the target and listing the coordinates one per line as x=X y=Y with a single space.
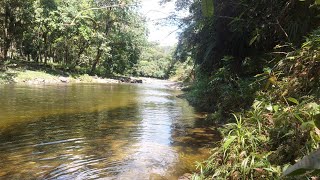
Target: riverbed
x=99 y=131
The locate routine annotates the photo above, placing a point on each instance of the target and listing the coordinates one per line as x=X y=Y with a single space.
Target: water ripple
x=95 y=132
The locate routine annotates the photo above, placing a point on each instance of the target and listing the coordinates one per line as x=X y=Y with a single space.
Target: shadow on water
x=193 y=143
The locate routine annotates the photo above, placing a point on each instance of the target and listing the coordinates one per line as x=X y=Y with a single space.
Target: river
x=99 y=131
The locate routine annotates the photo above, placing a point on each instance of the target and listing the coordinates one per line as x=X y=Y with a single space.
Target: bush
x=182 y=71
x=222 y=92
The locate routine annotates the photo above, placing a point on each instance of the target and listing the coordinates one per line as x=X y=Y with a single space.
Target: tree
x=242 y=29
x=97 y=36
x=15 y=19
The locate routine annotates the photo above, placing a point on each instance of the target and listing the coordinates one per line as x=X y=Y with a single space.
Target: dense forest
x=257 y=70
x=89 y=37
x=254 y=66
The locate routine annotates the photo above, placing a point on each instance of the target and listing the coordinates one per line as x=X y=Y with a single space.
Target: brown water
x=98 y=131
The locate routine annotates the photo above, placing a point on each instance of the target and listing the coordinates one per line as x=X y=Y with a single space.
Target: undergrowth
x=280 y=127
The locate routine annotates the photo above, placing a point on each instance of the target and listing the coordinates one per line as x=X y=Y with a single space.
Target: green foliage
x=303 y=66
x=280 y=128
x=261 y=141
x=222 y=92
x=207 y=8
x=96 y=35
x=155 y=61
x=182 y=71
x=246 y=30
x=238 y=157
x=246 y=54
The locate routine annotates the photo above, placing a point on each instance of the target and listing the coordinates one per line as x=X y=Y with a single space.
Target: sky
x=165 y=35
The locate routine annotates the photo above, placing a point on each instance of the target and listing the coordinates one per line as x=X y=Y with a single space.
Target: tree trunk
x=81 y=51
x=8 y=29
x=39 y=54
x=54 y=58
x=45 y=57
x=45 y=49
x=66 y=52
x=6 y=43
x=20 y=50
x=109 y=23
x=96 y=61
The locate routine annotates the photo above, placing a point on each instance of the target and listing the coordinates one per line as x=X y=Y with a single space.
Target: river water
x=99 y=131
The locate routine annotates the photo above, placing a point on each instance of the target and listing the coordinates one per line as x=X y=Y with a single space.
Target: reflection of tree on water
x=191 y=130
x=69 y=144
x=23 y=103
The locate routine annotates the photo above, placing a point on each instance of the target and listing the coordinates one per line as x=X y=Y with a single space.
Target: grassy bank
x=23 y=72
x=19 y=76
x=33 y=73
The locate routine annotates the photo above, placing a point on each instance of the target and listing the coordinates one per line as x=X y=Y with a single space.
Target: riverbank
x=32 y=77
x=35 y=74
x=12 y=76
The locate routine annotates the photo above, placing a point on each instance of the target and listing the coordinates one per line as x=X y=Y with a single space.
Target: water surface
x=98 y=131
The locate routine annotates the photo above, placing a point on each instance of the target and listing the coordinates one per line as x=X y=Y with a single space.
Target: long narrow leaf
x=310 y=162
x=229 y=141
x=293 y=100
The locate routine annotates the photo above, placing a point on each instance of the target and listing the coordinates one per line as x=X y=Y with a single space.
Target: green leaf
x=310 y=162
x=290 y=133
x=276 y=108
x=253 y=39
x=298 y=117
x=227 y=143
x=269 y=107
x=267 y=70
x=291 y=58
x=244 y=163
x=207 y=8
x=307 y=125
x=293 y=100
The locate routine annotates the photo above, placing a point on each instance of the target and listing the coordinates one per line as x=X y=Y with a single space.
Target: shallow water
x=99 y=131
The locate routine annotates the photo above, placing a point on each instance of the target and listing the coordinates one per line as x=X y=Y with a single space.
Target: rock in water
x=64 y=79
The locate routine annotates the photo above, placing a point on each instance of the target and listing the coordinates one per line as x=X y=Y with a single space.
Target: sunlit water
x=98 y=131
